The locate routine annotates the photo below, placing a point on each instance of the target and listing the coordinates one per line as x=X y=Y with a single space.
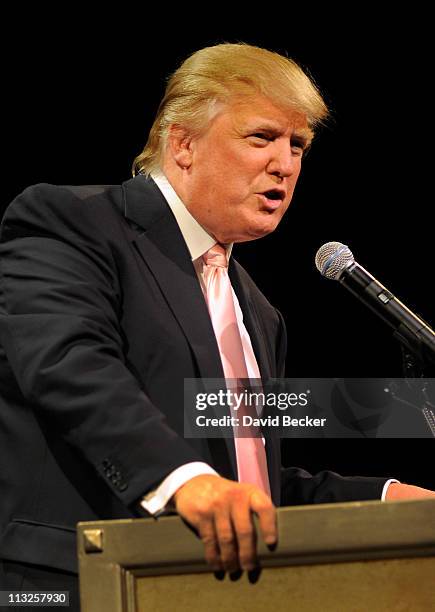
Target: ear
x=180 y=146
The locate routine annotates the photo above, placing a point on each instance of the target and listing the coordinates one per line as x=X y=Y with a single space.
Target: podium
x=356 y=556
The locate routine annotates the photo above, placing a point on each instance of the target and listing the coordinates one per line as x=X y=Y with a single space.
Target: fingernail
x=236 y=575
x=272 y=546
x=254 y=574
x=219 y=574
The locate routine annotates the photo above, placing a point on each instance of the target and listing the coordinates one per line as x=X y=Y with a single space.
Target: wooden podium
x=333 y=557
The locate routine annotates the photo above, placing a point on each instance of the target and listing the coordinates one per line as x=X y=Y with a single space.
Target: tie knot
x=216 y=256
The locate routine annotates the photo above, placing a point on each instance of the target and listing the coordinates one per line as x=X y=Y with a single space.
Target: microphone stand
x=418 y=376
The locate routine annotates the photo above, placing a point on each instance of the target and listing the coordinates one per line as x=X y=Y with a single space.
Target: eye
x=298 y=147
x=261 y=138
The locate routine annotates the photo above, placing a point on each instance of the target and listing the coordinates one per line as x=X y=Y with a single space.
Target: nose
x=283 y=162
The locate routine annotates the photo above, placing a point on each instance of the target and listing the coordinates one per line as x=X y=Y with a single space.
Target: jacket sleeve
x=299 y=487
x=60 y=305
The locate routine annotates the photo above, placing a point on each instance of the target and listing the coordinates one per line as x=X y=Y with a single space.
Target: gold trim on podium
x=350 y=557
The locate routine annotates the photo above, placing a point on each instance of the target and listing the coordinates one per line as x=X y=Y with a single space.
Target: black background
x=80 y=96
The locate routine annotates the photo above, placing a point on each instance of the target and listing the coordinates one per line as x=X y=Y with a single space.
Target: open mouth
x=274 y=194
x=272 y=199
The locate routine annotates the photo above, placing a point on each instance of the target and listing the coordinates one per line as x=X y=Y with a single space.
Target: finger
x=263 y=507
x=234 y=576
x=246 y=535
x=254 y=575
x=226 y=541
x=208 y=536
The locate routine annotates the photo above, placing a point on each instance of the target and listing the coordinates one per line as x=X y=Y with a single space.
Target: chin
x=263 y=229
x=251 y=230
x=255 y=233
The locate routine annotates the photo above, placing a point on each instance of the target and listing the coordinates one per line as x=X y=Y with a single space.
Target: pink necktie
x=250 y=453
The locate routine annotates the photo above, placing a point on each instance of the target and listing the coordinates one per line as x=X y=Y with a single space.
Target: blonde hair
x=212 y=76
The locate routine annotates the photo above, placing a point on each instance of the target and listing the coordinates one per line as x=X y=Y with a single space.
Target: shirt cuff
x=156 y=501
x=385 y=489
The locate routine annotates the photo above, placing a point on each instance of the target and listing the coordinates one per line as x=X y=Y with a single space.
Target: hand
x=221 y=512
x=397 y=490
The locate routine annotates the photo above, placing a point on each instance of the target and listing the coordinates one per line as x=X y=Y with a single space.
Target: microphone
x=335 y=260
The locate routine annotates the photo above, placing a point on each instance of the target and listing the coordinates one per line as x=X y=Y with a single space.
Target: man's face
x=244 y=169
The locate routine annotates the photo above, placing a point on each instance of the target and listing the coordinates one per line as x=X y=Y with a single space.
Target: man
x=107 y=306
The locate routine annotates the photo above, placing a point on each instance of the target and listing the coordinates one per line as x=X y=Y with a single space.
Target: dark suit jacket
x=102 y=318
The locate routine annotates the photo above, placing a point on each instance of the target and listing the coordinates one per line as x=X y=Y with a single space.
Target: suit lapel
x=165 y=253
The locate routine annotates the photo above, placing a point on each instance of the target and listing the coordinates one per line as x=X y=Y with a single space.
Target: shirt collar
x=198 y=241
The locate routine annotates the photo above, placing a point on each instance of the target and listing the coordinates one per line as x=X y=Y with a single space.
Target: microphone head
x=332 y=258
